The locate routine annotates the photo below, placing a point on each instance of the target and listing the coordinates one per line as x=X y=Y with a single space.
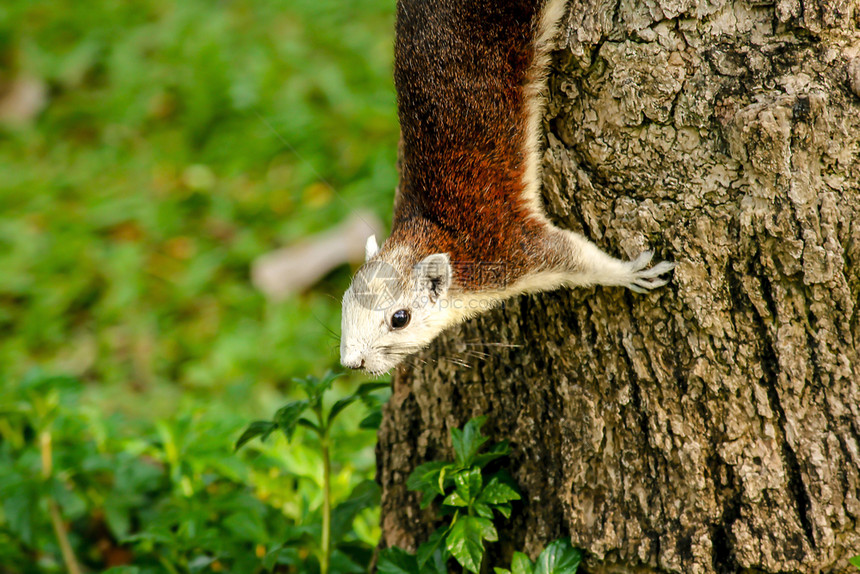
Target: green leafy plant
x=80 y=492
x=559 y=557
x=38 y=402
x=286 y=420
x=472 y=497
x=855 y=562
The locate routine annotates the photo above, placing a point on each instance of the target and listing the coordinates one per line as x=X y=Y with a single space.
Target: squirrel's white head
x=393 y=308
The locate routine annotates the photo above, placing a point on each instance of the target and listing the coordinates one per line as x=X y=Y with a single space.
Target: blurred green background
x=174 y=142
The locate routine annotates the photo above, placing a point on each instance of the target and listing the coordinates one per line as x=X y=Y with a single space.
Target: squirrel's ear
x=370 y=248
x=435 y=275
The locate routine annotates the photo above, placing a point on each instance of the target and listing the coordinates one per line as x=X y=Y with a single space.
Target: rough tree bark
x=712 y=425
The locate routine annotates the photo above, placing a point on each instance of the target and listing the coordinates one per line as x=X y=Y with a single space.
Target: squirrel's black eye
x=400 y=319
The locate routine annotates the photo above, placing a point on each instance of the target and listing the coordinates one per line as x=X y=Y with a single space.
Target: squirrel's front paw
x=642 y=279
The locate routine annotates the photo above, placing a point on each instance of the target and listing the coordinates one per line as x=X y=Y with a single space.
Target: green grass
x=180 y=140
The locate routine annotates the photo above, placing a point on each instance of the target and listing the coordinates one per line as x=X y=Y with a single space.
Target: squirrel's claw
x=646 y=279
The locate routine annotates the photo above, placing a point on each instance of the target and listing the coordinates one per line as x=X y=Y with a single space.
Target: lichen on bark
x=713 y=425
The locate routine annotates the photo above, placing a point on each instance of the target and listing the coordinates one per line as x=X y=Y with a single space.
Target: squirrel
x=469 y=229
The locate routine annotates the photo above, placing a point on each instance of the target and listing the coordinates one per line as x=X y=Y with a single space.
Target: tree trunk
x=712 y=425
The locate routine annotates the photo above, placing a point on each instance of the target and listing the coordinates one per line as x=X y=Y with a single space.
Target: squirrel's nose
x=352 y=362
x=355 y=364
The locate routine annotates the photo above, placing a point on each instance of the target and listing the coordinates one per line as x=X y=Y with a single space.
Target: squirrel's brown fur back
x=463 y=72
x=469 y=228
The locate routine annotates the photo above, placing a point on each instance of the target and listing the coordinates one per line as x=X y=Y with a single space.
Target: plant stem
x=326 y=513
x=167 y=565
x=54 y=509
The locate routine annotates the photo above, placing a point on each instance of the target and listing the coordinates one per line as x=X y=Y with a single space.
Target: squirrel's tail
x=547 y=26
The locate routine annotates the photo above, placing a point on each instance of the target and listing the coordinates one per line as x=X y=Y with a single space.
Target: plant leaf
x=200 y=562
x=41 y=382
x=435 y=542
x=498 y=450
x=271 y=557
x=396 y=561
x=855 y=561
x=438 y=562
x=246 y=525
x=497 y=492
x=466 y=540
x=483 y=510
x=358 y=553
x=425 y=474
x=363 y=390
x=455 y=499
x=22 y=509
x=521 y=564
x=372 y=421
x=288 y=417
x=469 y=484
x=303 y=422
x=425 y=479
x=443 y=479
x=503 y=509
x=338 y=406
x=560 y=557
x=365 y=495
x=282 y=554
x=369 y=387
x=315 y=387
x=256 y=429
x=466 y=442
